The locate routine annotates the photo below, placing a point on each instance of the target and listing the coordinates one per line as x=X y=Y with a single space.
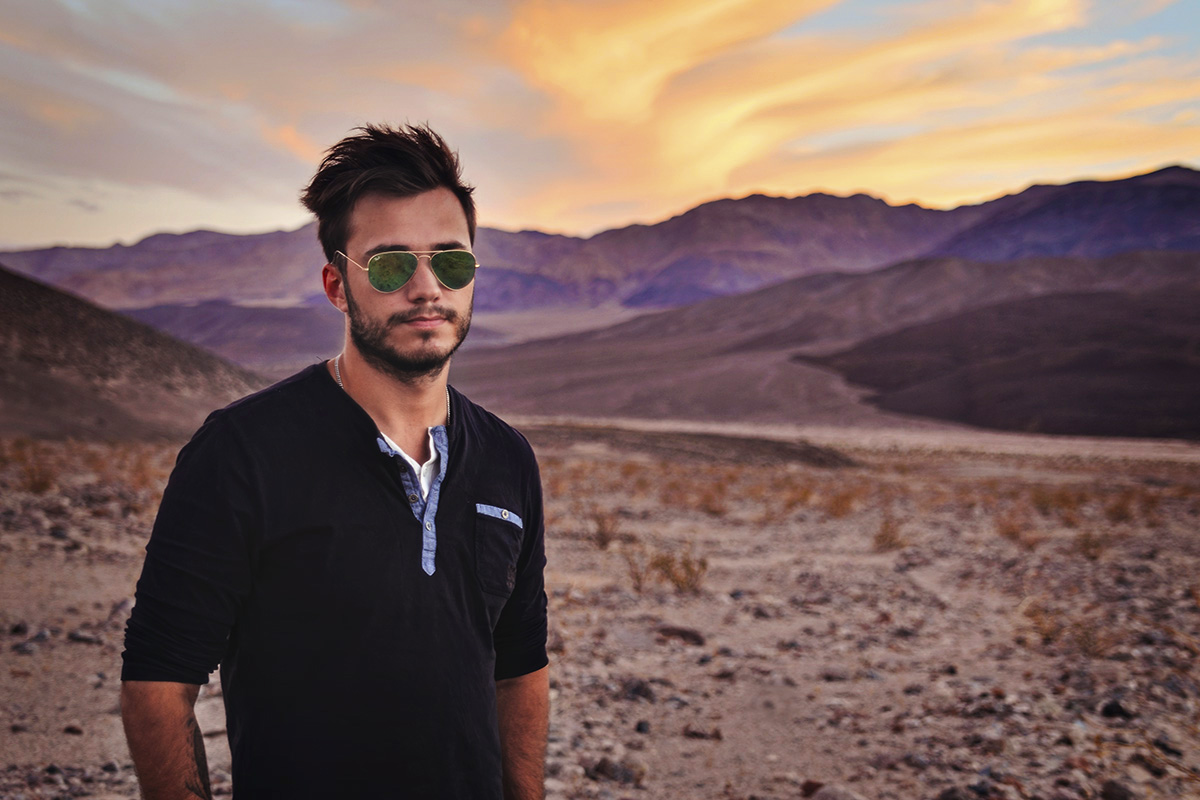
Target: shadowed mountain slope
x=1103 y=364
x=732 y=358
x=72 y=369
x=1156 y=211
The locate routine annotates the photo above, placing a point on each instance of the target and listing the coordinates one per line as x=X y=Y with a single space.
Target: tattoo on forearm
x=197 y=783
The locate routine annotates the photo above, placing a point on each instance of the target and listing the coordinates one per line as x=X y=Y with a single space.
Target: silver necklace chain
x=337 y=374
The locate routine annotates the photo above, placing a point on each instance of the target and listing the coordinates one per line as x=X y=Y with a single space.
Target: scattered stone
x=836 y=793
x=1148 y=764
x=73 y=729
x=636 y=689
x=809 y=788
x=1114 y=710
x=686 y=635
x=110 y=766
x=954 y=793
x=642 y=726
x=1165 y=746
x=1111 y=790
x=833 y=674
x=25 y=648
x=624 y=772
x=84 y=637
x=694 y=733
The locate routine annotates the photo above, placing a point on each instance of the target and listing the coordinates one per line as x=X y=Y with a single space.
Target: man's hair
x=378 y=159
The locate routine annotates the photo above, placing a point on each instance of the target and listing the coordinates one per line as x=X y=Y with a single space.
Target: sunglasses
x=389 y=271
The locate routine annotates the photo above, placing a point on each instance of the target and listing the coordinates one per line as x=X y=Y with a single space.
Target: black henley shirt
x=288 y=551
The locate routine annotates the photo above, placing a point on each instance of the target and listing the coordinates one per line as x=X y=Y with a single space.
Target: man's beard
x=370 y=338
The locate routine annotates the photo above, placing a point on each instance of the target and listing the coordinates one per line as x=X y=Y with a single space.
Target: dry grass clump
x=637 y=563
x=1016 y=528
x=887 y=537
x=1091 y=545
x=683 y=570
x=606 y=526
x=1092 y=638
x=1046 y=622
x=842 y=502
x=1120 y=509
x=1061 y=501
x=36 y=468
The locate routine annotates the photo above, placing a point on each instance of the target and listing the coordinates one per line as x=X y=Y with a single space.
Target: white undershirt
x=426 y=471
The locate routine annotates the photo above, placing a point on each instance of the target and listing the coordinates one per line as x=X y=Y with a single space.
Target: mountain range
x=819 y=309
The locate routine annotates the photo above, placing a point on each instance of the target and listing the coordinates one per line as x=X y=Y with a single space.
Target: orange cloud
x=611 y=59
x=294 y=142
x=664 y=112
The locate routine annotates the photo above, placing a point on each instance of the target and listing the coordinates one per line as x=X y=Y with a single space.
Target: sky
x=123 y=118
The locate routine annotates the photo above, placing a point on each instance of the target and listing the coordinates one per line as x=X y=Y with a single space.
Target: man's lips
x=425 y=322
x=422 y=319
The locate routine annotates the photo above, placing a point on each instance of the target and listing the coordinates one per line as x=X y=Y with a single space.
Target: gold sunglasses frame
x=429 y=254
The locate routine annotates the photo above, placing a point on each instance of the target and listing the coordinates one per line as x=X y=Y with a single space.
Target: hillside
x=732 y=358
x=1101 y=364
x=73 y=369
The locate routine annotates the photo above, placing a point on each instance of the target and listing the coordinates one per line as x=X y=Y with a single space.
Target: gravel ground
x=731 y=619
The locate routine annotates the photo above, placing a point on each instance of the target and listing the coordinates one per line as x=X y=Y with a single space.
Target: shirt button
x=412 y=498
x=504 y=514
x=428 y=526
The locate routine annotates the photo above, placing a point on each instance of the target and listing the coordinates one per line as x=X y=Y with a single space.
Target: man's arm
x=523 y=706
x=164 y=739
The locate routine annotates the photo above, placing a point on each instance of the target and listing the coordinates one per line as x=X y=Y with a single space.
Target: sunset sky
x=124 y=118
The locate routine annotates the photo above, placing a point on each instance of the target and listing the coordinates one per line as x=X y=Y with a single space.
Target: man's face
x=414 y=330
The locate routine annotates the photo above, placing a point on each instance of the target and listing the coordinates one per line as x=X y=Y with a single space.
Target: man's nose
x=423 y=285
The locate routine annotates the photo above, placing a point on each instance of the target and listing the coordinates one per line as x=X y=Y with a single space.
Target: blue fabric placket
x=424 y=509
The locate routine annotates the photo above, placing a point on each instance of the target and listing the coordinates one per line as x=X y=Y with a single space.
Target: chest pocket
x=498 y=535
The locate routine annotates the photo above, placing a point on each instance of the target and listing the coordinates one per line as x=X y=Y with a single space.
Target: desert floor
x=947 y=616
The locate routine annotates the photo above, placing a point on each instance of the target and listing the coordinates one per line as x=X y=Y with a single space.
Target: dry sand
x=956 y=615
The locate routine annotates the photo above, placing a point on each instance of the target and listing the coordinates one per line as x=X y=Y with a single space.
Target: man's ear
x=335 y=287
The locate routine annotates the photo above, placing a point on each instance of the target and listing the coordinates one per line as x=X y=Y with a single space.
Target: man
x=359 y=547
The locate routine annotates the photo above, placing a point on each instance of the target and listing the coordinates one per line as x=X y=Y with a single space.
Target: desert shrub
x=36 y=470
x=1092 y=638
x=1058 y=500
x=888 y=536
x=842 y=502
x=1046 y=622
x=683 y=570
x=1011 y=526
x=606 y=527
x=1120 y=509
x=1091 y=545
x=712 y=500
x=638 y=565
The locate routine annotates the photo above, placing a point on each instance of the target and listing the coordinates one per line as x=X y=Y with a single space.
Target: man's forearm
x=523 y=707
x=165 y=740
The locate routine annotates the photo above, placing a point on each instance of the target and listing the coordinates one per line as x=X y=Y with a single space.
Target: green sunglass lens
x=389 y=271
x=454 y=268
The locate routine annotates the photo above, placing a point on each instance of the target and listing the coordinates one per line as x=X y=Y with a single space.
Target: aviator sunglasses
x=389 y=271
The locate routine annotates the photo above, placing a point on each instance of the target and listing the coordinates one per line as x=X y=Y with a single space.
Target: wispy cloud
x=575 y=116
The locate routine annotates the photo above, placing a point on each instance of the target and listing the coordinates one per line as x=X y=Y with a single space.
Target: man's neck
x=404 y=410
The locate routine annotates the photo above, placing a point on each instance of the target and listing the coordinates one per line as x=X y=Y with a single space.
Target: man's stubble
x=370 y=337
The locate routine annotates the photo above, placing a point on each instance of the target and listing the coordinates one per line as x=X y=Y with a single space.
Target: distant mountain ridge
x=718 y=248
